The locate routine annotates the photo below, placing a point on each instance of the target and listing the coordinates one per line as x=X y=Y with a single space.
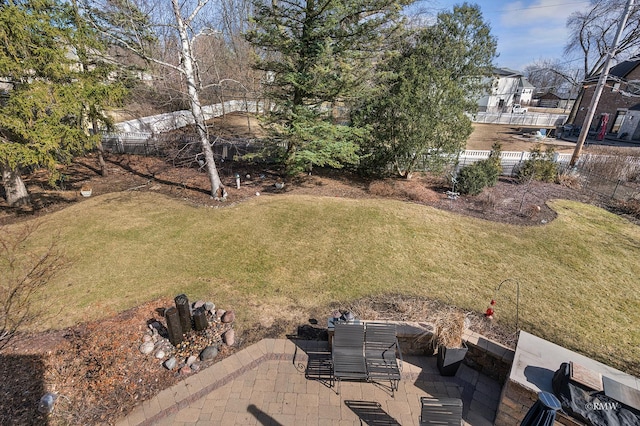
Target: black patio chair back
x=440 y=411
x=348 y=353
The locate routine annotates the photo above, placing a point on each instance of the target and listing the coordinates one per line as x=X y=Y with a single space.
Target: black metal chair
x=348 y=353
x=381 y=349
x=441 y=411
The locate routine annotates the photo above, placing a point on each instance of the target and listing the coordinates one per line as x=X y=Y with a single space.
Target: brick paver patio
x=266 y=384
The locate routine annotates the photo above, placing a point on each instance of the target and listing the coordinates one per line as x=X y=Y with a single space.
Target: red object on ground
x=604 y=119
x=489 y=312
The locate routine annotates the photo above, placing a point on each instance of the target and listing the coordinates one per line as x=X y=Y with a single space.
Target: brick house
x=620 y=99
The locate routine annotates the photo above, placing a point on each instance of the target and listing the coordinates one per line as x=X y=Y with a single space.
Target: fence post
x=615 y=189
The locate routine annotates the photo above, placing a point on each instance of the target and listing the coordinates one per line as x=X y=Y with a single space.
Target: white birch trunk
x=188 y=67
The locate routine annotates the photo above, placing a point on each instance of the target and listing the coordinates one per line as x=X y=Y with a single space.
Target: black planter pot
x=449 y=359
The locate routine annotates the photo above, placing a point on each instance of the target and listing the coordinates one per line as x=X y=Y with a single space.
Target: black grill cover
x=590 y=406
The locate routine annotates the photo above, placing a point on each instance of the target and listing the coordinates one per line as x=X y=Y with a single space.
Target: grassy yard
x=286 y=255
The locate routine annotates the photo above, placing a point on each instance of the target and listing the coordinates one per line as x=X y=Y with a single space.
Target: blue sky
x=527 y=30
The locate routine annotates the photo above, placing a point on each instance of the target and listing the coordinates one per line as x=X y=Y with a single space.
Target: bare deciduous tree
x=592 y=35
x=551 y=76
x=176 y=31
x=24 y=274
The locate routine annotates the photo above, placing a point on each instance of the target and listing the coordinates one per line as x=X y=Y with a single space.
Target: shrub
x=539 y=166
x=472 y=179
x=570 y=179
x=492 y=165
x=475 y=177
x=488 y=202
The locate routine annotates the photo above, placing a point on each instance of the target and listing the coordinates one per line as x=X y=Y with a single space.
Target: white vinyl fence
x=175 y=120
x=509 y=160
x=140 y=136
x=530 y=119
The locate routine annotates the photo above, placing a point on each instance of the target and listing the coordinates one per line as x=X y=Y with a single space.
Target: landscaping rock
x=195 y=366
x=229 y=337
x=210 y=352
x=147 y=338
x=170 y=363
x=185 y=370
x=220 y=313
x=199 y=304
x=191 y=360
x=160 y=354
x=47 y=402
x=157 y=330
x=228 y=317
x=147 y=347
x=210 y=306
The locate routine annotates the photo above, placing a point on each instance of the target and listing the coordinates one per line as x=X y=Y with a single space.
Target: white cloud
x=528 y=31
x=549 y=13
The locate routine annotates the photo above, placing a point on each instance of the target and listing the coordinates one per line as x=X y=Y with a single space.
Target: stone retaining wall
x=486 y=356
x=515 y=401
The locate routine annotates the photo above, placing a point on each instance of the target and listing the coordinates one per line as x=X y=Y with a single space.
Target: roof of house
x=525 y=83
x=620 y=70
x=555 y=95
x=547 y=95
x=624 y=68
x=506 y=72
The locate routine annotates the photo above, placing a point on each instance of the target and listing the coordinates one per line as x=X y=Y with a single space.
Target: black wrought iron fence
x=608 y=188
x=180 y=150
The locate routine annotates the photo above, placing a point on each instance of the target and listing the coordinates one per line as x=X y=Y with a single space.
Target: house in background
x=620 y=99
x=553 y=100
x=508 y=87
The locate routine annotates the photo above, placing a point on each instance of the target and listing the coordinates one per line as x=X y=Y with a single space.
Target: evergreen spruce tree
x=418 y=118
x=54 y=90
x=317 y=55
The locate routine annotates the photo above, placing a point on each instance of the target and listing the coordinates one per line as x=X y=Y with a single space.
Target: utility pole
x=599 y=87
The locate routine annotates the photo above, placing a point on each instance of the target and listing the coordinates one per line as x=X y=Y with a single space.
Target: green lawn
x=579 y=275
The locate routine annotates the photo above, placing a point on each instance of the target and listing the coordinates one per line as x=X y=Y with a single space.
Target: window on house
x=617 y=123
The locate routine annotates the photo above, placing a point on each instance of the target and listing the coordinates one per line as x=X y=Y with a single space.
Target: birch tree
x=592 y=34
x=126 y=32
x=189 y=71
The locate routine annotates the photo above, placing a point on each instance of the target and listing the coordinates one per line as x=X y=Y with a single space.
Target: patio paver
x=265 y=385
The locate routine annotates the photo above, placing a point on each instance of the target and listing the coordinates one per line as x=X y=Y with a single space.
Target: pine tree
x=317 y=54
x=53 y=92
